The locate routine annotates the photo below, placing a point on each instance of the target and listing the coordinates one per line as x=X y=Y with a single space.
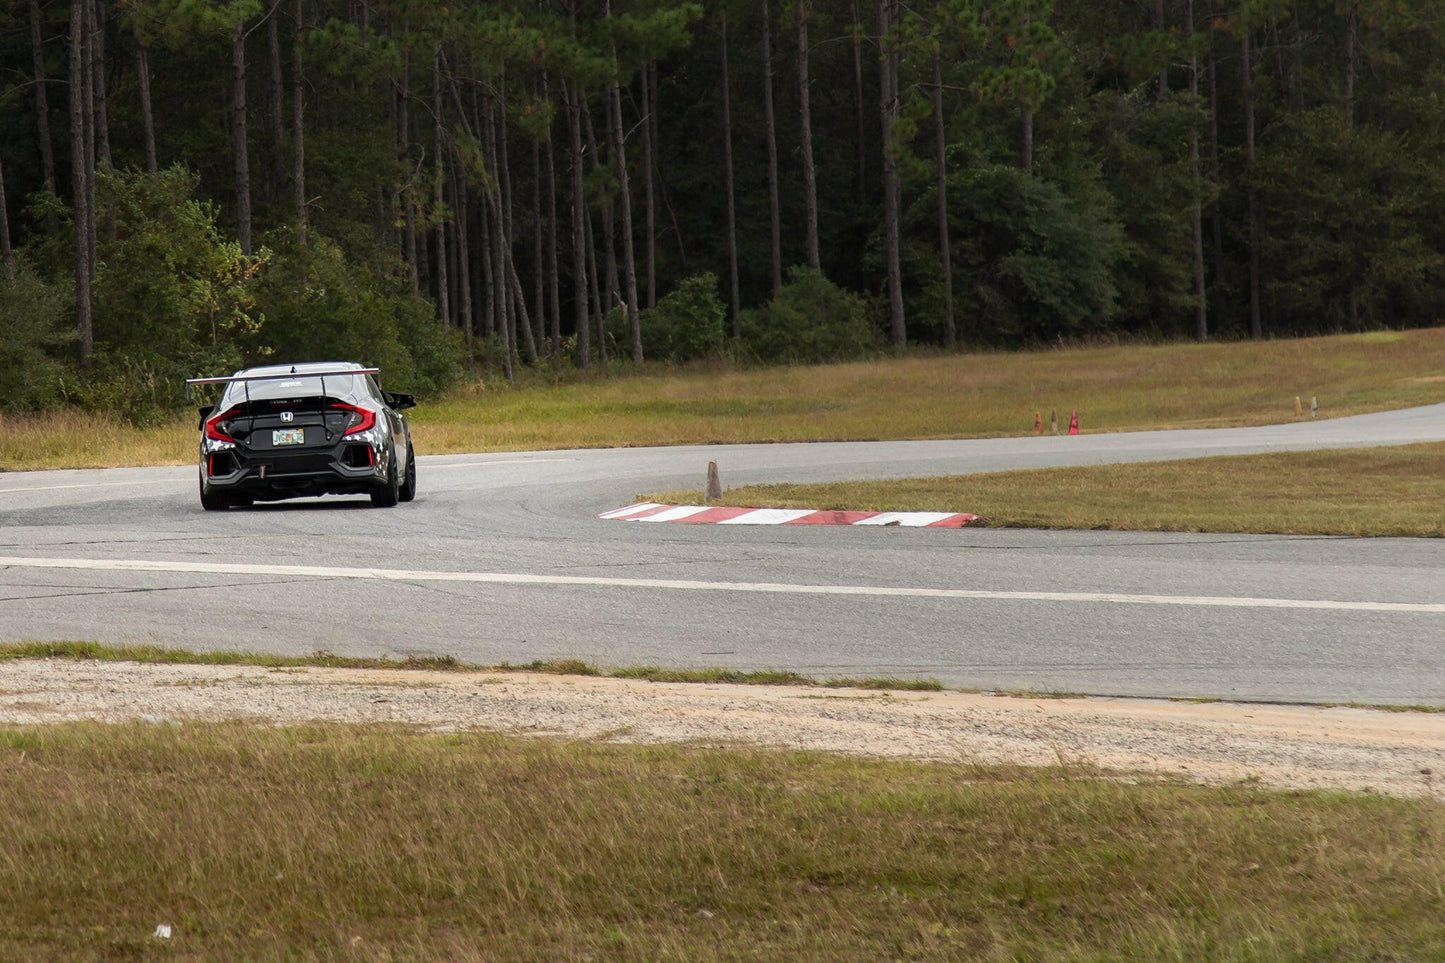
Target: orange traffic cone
x=1073 y=423
x=1038 y=423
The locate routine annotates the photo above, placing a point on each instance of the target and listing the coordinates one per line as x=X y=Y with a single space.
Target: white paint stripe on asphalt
x=485 y=464
x=775 y=588
x=906 y=519
x=768 y=516
x=116 y=484
x=630 y=510
x=675 y=514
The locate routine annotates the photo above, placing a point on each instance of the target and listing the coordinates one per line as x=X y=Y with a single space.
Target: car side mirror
x=204 y=413
x=401 y=402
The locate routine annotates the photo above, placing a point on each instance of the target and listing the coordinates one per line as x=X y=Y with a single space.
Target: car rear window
x=300 y=386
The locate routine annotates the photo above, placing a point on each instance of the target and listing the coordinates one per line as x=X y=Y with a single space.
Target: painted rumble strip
x=775 y=588
x=706 y=515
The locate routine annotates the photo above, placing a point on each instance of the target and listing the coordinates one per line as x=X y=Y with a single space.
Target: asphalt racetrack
x=501 y=558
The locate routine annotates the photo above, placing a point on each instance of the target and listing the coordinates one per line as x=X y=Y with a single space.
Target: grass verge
x=328 y=841
x=82 y=651
x=921 y=396
x=1375 y=491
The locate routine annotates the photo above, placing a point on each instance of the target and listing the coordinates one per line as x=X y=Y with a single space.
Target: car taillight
x=368 y=417
x=213 y=425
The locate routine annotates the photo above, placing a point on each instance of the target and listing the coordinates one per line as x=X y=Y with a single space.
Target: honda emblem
x=287 y=416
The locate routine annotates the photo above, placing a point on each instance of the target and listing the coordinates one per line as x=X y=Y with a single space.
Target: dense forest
x=190 y=185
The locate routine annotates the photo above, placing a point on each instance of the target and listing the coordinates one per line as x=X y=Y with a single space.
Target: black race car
x=282 y=431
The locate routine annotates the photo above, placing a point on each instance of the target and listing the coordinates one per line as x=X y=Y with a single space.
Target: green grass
x=1374 y=491
x=920 y=396
x=334 y=841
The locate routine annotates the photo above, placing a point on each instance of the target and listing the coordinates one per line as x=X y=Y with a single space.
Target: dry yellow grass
x=1374 y=491
x=1113 y=388
x=333 y=841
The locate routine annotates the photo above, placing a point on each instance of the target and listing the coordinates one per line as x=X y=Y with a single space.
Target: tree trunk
x=1158 y=19
x=1201 y=301
x=860 y=138
x=733 y=300
x=464 y=259
x=438 y=175
x=1216 y=213
x=600 y=307
x=599 y=310
x=276 y=111
x=772 y=135
x=496 y=228
x=579 y=234
x=1026 y=139
x=519 y=324
x=523 y=322
x=7 y=256
x=648 y=193
x=87 y=92
x=950 y=327
x=453 y=247
x=1351 y=33
x=79 y=184
x=489 y=283
x=97 y=57
x=42 y=104
x=501 y=161
x=664 y=199
x=298 y=129
x=609 y=246
x=408 y=201
x=553 y=268
x=888 y=103
x=1256 y=324
x=148 y=124
x=539 y=269
x=238 y=137
x=810 y=172
x=629 y=263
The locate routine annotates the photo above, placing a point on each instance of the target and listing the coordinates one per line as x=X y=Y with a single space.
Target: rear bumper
x=353 y=466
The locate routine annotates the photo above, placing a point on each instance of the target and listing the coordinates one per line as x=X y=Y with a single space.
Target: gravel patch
x=1395 y=753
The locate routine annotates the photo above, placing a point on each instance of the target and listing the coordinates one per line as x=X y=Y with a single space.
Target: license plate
x=288 y=436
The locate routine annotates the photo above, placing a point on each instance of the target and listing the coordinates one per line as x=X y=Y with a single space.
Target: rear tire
x=389 y=493
x=212 y=501
x=408 y=487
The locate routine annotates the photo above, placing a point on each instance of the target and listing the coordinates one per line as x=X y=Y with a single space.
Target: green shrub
x=687 y=324
x=1037 y=260
x=33 y=338
x=809 y=319
x=166 y=280
x=315 y=307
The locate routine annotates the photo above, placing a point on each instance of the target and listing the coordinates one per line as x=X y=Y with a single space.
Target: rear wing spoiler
x=293 y=373
x=285 y=376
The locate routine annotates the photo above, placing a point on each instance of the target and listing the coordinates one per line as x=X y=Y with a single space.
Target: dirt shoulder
x=1279 y=746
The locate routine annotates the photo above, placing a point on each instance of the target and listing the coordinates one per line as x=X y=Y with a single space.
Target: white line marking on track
x=135 y=483
x=499 y=461
x=774 y=588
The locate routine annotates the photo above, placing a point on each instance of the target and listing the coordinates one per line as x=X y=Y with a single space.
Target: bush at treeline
x=399 y=186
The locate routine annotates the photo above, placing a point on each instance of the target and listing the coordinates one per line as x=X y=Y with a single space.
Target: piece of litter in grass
x=163 y=932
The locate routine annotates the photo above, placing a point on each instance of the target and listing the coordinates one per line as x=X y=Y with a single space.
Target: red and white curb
x=710 y=515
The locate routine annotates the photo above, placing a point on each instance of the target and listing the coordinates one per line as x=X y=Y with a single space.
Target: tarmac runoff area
x=1273 y=746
